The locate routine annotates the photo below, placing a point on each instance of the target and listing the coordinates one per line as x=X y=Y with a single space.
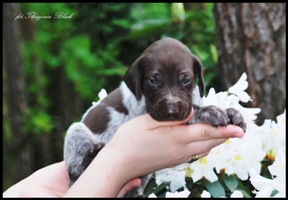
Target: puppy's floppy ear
x=133 y=78
x=199 y=71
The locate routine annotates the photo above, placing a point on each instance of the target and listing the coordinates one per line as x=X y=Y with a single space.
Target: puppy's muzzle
x=172 y=109
x=169 y=111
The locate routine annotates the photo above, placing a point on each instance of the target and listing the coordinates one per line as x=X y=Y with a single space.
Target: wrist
x=104 y=177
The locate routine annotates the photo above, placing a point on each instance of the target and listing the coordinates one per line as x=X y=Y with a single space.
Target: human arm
x=52 y=181
x=142 y=146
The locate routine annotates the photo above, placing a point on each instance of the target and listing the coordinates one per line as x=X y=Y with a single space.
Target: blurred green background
x=67 y=61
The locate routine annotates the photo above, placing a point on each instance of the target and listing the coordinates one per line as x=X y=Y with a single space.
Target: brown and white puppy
x=160 y=82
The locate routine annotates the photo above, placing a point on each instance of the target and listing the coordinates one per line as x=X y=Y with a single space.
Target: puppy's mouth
x=168 y=112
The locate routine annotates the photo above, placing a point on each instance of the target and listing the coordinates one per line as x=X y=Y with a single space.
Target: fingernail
x=240 y=134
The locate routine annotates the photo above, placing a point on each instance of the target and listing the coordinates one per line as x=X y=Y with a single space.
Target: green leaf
x=150 y=187
x=148 y=28
x=273 y=193
x=203 y=55
x=243 y=189
x=177 y=12
x=195 y=16
x=208 y=77
x=161 y=187
x=214 y=53
x=245 y=194
x=230 y=181
x=215 y=188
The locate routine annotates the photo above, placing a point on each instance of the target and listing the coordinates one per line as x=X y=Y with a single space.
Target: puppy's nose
x=172 y=109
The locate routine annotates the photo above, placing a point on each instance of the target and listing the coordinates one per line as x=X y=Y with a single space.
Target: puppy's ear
x=199 y=71
x=133 y=78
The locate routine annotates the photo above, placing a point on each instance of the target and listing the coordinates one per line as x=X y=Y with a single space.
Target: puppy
x=160 y=82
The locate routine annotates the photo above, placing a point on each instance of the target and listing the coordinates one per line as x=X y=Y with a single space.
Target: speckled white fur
x=79 y=136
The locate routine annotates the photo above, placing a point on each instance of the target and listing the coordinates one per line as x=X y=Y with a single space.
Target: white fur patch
x=197 y=100
x=135 y=108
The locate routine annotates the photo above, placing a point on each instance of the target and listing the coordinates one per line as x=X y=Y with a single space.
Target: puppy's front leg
x=91 y=154
x=79 y=150
x=209 y=115
x=236 y=118
x=216 y=116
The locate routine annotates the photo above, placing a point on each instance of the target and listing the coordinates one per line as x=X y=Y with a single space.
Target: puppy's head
x=165 y=75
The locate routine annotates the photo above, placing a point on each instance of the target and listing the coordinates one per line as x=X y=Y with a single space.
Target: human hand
x=52 y=181
x=157 y=145
x=143 y=145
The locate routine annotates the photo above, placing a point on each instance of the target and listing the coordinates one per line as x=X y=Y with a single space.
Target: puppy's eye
x=186 y=80
x=152 y=81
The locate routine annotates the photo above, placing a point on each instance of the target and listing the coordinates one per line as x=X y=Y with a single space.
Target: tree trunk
x=251 y=38
x=15 y=95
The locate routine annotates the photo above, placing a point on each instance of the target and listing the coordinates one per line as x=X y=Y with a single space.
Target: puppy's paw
x=75 y=169
x=236 y=118
x=91 y=154
x=212 y=115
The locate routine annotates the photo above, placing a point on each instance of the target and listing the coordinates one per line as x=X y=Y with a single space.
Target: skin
x=52 y=181
x=112 y=173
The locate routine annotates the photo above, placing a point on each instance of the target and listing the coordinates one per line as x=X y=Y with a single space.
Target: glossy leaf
x=230 y=181
x=215 y=189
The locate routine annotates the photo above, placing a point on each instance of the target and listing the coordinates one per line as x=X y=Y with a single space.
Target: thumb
x=136 y=182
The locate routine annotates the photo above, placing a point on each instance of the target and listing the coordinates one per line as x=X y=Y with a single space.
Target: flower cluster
x=224 y=170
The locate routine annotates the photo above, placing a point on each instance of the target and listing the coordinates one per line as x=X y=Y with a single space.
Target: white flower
x=176 y=177
x=237 y=155
x=236 y=194
x=278 y=170
x=203 y=167
x=224 y=101
x=273 y=136
x=263 y=185
x=152 y=195
x=184 y=193
x=281 y=120
x=205 y=194
x=239 y=87
x=220 y=99
x=249 y=114
x=266 y=186
x=102 y=94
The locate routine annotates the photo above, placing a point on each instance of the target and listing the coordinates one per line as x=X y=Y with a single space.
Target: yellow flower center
x=273 y=132
x=271 y=154
x=237 y=157
x=189 y=171
x=227 y=141
x=203 y=161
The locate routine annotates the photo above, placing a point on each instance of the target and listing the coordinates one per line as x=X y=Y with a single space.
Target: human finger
x=203 y=132
x=201 y=147
x=136 y=182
